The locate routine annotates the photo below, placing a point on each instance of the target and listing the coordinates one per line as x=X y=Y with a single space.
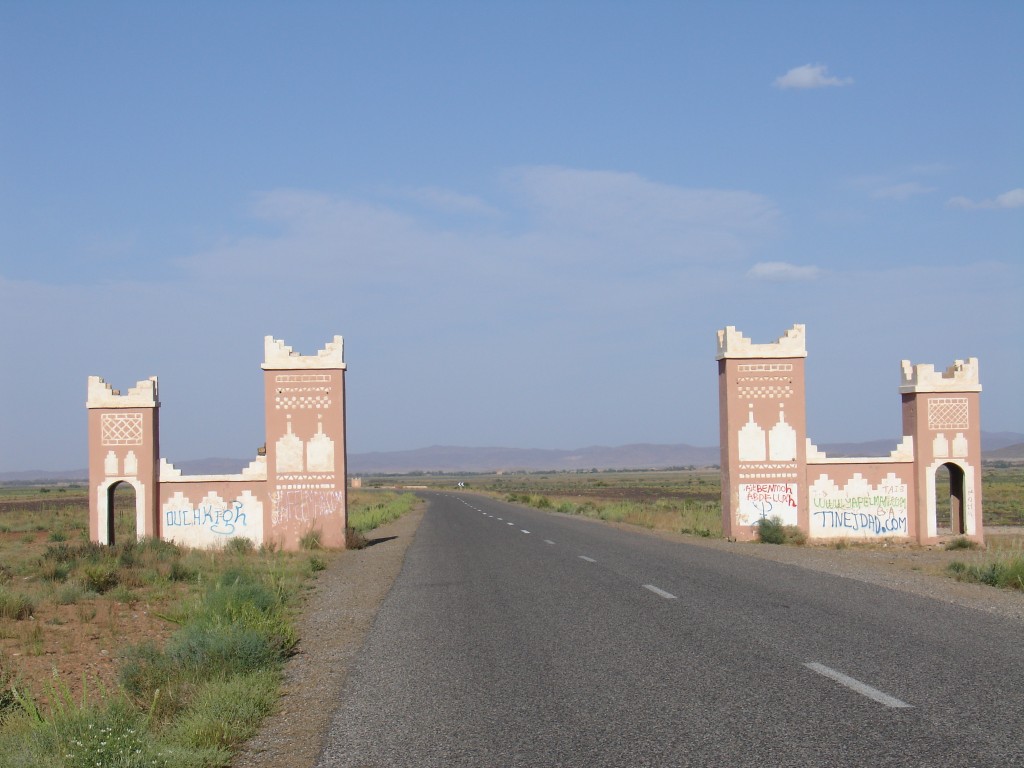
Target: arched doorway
x=949 y=500
x=120 y=512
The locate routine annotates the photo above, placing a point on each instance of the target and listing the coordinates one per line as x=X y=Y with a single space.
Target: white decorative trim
x=732 y=343
x=970 y=516
x=102 y=395
x=751 y=441
x=961 y=376
x=103 y=511
x=278 y=356
x=257 y=470
x=901 y=454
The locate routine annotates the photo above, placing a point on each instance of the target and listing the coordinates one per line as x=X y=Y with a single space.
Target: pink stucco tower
x=941 y=410
x=763 y=430
x=305 y=412
x=124 y=436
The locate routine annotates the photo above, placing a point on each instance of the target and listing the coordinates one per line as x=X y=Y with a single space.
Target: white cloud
x=448 y=201
x=1012 y=199
x=899 y=184
x=781 y=271
x=810 y=76
x=903 y=191
x=657 y=222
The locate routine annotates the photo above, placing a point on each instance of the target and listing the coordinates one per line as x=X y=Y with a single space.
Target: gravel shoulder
x=337 y=616
x=347 y=595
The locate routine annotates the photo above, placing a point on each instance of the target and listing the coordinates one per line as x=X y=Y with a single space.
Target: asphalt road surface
x=514 y=637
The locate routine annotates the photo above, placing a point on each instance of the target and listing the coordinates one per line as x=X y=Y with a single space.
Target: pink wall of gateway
x=297 y=487
x=770 y=468
x=861 y=501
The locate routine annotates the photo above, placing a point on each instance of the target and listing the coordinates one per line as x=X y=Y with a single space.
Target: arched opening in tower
x=121 y=512
x=949 y=500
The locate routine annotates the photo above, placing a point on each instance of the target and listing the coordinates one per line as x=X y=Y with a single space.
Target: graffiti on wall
x=213 y=520
x=304 y=507
x=767 y=500
x=859 y=509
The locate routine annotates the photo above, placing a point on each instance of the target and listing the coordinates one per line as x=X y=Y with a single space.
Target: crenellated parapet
x=102 y=395
x=961 y=376
x=279 y=356
x=733 y=344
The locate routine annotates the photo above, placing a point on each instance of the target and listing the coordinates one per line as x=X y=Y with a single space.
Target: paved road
x=518 y=638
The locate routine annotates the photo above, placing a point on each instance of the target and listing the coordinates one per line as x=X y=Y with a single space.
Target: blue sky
x=527 y=219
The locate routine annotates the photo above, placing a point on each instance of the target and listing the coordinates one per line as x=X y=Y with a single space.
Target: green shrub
x=100 y=577
x=111 y=734
x=316 y=564
x=770 y=530
x=51 y=570
x=961 y=542
x=144 y=670
x=58 y=535
x=220 y=651
x=225 y=712
x=793 y=535
x=1006 y=572
x=14 y=605
x=239 y=545
x=69 y=594
x=354 y=539
x=542 y=502
x=181 y=572
x=310 y=539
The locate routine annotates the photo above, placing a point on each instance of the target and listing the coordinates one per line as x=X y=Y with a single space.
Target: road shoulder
x=336 y=618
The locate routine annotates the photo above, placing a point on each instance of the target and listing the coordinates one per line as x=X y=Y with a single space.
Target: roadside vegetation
x=1000 y=564
x=142 y=653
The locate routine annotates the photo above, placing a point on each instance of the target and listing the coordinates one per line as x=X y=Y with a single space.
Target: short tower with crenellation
x=941 y=410
x=124 y=435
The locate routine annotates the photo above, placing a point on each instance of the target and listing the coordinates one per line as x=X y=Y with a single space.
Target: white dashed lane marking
x=856 y=685
x=588 y=559
x=548 y=541
x=662 y=592
x=524 y=531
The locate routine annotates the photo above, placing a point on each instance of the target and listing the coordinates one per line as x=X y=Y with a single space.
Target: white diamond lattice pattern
x=947 y=413
x=121 y=428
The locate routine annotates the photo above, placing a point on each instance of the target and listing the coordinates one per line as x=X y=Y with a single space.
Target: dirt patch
x=78 y=644
x=336 y=618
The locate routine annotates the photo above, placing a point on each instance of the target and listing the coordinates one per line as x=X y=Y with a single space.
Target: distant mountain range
x=446 y=458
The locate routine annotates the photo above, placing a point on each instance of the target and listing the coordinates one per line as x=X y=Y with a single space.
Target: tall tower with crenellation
x=763 y=430
x=124 y=438
x=306 y=453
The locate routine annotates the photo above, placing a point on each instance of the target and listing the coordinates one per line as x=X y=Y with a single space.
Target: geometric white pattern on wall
x=121 y=428
x=947 y=413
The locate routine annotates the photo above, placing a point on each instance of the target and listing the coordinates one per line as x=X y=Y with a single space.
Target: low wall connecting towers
x=296 y=485
x=770 y=468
